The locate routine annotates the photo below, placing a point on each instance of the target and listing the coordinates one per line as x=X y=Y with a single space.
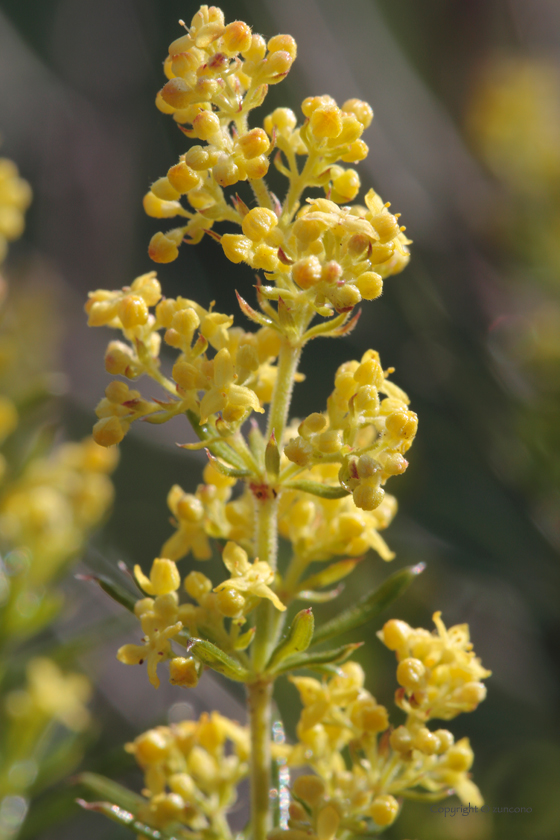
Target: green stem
x=260 y=189
x=259 y=696
x=288 y=361
x=297 y=186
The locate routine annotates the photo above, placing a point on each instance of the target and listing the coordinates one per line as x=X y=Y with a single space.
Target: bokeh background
x=466 y=145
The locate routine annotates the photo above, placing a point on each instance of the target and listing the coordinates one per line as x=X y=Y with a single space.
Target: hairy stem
x=260 y=189
x=259 y=695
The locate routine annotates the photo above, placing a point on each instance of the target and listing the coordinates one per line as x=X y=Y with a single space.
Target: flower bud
x=410 y=673
x=357 y=152
x=258 y=223
x=236 y=248
x=206 y=125
x=164 y=576
x=150 y=748
x=230 y=602
x=384 y=809
x=401 y=739
x=395 y=633
x=256 y=50
x=236 y=38
x=386 y=225
x=425 y=741
x=276 y=66
x=132 y=311
x=460 y=756
x=159 y=209
x=162 y=249
x=326 y=122
x=369 y=284
x=197 y=585
x=254 y=143
x=445 y=740
x=361 y=110
x=183 y=671
x=283 y=120
x=367 y=496
x=307 y=272
x=109 y=431
x=299 y=451
x=226 y=172
x=164 y=190
x=182 y=178
x=177 y=93
x=257 y=167
x=346 y=187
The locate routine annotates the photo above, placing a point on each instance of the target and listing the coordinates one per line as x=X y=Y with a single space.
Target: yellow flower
x=234 y=401
x=251 y=578
x=156 y=649
x=164 y=577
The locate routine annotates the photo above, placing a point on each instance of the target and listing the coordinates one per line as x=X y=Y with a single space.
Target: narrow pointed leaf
x=285 y=317
x=332 y=574
x=326 y=327
x=117 y=592
x=325 y=657
x=325 y=491
x=123 y=817
x=243 y=641
x=112 y=791
x=226 y=469
x=297 y=639
x=315 y=597
x=221 y=449
x=369 y=606
x=217 y=659
x=272 y=457
x=252 y=314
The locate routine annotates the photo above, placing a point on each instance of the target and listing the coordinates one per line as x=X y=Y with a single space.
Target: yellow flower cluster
x=49 y=695
x=236 y=381
x=54 y=503
x=386 y=763
x=320 y=528
x=332 y=255
x=216 y=75
x=328 y=259
x=15 y=197
x=365 y=435
x=162 y=617
x=439 y=674
x=191 y=772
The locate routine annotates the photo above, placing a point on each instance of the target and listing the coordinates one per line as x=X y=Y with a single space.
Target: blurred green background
x=466 y=145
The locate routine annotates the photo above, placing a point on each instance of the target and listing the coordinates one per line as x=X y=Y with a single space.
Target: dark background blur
x=466 y=145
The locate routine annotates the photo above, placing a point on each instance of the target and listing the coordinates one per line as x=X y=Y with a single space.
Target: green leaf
x=119 y=815
x=325 y=491
x=314 y=597
x=112 y=791
x=117 y=592
x=325 y=657
x=221 y=449
x=272 y=457
x=242 y=642
x=217 y=659
x=332 y=574
x=252 y=314
x=226 y=469
x=297 y=639
x=369 y=606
